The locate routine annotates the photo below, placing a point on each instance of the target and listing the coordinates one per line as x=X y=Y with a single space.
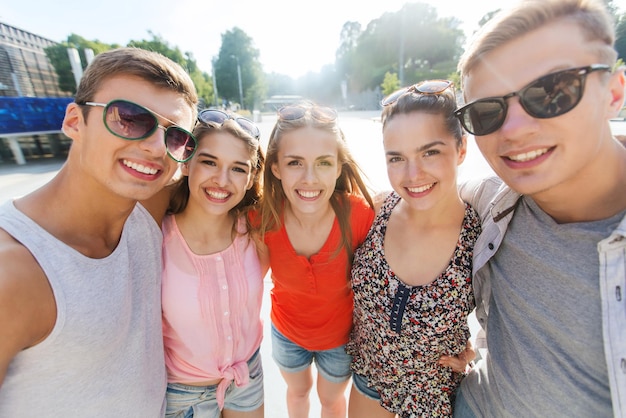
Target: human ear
x=72 y=121
x=275 y=171
x=462 y=150
x=616 y=85
x=253 y=176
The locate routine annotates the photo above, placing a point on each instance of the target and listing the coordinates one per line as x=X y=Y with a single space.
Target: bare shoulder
x=27 y=306
x=379 y=199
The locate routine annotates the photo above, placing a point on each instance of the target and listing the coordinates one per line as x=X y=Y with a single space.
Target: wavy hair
x=252 y=197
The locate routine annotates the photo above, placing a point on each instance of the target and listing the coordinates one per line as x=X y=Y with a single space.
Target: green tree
x=345 y=55
x=202 y=80
x=237 y=49
x=391 y=83
x=414 y=42
x=280 y=84
x=160 y=45
x=57 y=55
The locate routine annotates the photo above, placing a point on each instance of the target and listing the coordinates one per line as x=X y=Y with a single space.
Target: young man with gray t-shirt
x=80 y=260
x=549 y=267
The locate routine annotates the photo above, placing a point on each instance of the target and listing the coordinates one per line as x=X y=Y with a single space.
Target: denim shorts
x=362 y=385
x=461 y=407
x=333 y=364
x=185 y=401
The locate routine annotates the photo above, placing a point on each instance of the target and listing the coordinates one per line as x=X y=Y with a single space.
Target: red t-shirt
x=312 y=298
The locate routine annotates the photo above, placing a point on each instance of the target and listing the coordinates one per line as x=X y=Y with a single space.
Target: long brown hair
x=350 y=181
x=180 y=195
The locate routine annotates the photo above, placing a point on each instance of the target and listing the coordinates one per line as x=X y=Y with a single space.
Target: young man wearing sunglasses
x=549 y=267
x=80 y=261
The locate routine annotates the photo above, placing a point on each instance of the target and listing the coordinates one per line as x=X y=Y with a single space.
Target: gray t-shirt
x=546 y=354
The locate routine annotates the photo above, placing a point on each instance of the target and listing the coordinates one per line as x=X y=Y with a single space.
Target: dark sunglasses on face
x=547 y=97
x=423 y=87
x=219 y=117
x=319 y=113
x=128 y=120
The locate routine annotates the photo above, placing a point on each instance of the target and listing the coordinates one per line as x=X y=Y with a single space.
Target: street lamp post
x=215 y=95
x=239 y=79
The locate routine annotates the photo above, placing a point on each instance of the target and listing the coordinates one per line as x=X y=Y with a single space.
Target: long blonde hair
x=350 y=181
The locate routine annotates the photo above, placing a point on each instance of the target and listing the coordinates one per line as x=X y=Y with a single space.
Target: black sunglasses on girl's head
x=131 y=121
x=547 y=97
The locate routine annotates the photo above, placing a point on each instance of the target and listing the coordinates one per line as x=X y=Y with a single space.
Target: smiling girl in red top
x=315 y=212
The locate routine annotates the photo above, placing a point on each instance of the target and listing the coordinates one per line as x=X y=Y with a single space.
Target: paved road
x=363 y=132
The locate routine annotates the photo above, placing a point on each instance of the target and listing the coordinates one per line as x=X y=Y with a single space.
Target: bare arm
x=459 y=362
x=263 y=253
x=27 y=307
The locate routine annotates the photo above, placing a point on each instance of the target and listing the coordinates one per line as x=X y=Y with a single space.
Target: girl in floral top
x=412 y=276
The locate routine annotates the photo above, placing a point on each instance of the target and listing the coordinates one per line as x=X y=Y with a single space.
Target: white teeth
x=308 y=194
x=421 y=188
x=140 y=168
x=217 y=195
x=528 y=155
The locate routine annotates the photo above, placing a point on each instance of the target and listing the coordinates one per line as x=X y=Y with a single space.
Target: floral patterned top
x=401 y=331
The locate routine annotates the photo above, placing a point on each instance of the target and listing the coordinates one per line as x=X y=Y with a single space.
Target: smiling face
x=219 y=173
x=545 y=158
x=111 y=165
x=307 y=165
x=422 y=159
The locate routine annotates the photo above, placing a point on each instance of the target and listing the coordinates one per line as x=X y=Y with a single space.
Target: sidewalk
x=17 y=180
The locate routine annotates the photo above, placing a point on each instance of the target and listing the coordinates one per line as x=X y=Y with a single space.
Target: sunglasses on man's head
x=547 y=97
x=128 y=120
x=219 y=117
x=319 y=113
x=423 y=87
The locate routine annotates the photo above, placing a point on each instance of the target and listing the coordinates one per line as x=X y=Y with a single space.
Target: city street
x=363 y=133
